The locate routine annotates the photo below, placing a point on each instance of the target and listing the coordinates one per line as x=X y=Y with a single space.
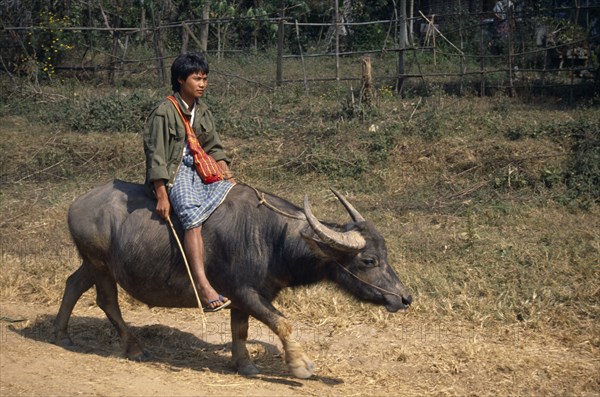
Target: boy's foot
x=216 y=304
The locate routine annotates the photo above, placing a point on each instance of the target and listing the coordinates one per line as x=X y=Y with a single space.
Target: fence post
x=185 y=37
x=366 y=89
x=510 y=37
x=115 y=44
x=462 y=49
x=142 y=21
x=402 y=38
x=481 y=61
x=113 y=59
x=280 y=40
x=205 y=26
x=337 y=42
x=301 y=58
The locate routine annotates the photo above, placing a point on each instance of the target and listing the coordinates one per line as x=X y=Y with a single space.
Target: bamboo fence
x=514 y=66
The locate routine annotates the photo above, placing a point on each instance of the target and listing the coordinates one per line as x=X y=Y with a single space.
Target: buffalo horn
x=356 y=216
x=346 y=241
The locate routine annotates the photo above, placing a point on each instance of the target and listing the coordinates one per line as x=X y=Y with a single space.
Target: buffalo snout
x=396 y=302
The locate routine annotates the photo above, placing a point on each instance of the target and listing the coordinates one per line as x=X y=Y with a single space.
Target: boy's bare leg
x=194 y=250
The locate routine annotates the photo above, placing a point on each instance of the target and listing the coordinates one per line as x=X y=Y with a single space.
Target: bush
x=113 y=113
x=62 y=105
x=582 y=171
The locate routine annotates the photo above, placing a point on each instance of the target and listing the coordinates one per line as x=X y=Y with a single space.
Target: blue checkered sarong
x=192 y=200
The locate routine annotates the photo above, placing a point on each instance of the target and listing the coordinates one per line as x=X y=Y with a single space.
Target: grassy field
x=489 y=205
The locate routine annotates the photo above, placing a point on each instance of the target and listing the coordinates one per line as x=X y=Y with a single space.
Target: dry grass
x=488 y=251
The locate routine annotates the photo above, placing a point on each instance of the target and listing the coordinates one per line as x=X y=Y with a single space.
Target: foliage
x=37 y=52
x=372 y=36
x=49 y=46
x=236 y=26
x=86 y=111
x=581 y=171
x=113 y=113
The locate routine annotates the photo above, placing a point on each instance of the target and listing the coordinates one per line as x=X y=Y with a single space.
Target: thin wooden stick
x=440 y=33
x=40 y=171
x=187 y=266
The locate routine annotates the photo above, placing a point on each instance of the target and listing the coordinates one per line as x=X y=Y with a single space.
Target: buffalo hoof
x=142 y=356
x=64 y=342
x=248 y=369
x=302 y=368
x=62 y=339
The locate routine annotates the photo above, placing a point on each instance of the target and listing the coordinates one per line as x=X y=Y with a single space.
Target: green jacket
x=164 y=140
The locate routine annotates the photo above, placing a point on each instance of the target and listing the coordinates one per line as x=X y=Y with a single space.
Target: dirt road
x=408 y=358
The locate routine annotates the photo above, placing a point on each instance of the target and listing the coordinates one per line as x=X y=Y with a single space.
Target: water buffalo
x=256 y=245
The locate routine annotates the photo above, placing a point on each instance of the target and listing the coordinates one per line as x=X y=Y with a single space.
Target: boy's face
x=193 y=86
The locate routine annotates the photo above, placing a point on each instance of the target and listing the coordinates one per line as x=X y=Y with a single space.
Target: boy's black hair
x=186 y=64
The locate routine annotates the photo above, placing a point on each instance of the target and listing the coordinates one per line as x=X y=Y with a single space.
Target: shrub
x=113 y=113
x=582 y=171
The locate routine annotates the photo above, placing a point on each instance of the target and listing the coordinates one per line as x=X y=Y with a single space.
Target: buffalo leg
x=107 y=299
x=239 y=354
x=77 y=283
x=261 y=309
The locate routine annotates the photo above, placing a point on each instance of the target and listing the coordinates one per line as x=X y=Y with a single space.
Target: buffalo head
x=357 y=256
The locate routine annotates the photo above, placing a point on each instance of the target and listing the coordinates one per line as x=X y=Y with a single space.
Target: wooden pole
x=462 y=57
x=116 y=42
x=402 y=47
x=113 y=60
x=337 y=41
x=161 y=72
x=481 y=62
x=302 y=58
x=411 y=14
x=510 y=52
x=142 y=21
x=280 y=42
x=366 y=90
x=91 y=32
x=122 y=65
x=185 y=37
x=220 y=44
x=205 y=25
x=191 y=34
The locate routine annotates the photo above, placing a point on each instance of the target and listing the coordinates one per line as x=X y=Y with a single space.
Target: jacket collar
x=200 y=107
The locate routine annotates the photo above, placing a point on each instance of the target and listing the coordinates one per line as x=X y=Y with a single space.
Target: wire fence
x=461 y=51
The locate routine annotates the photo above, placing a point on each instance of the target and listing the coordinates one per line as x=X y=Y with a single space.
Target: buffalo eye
x=370 y=261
